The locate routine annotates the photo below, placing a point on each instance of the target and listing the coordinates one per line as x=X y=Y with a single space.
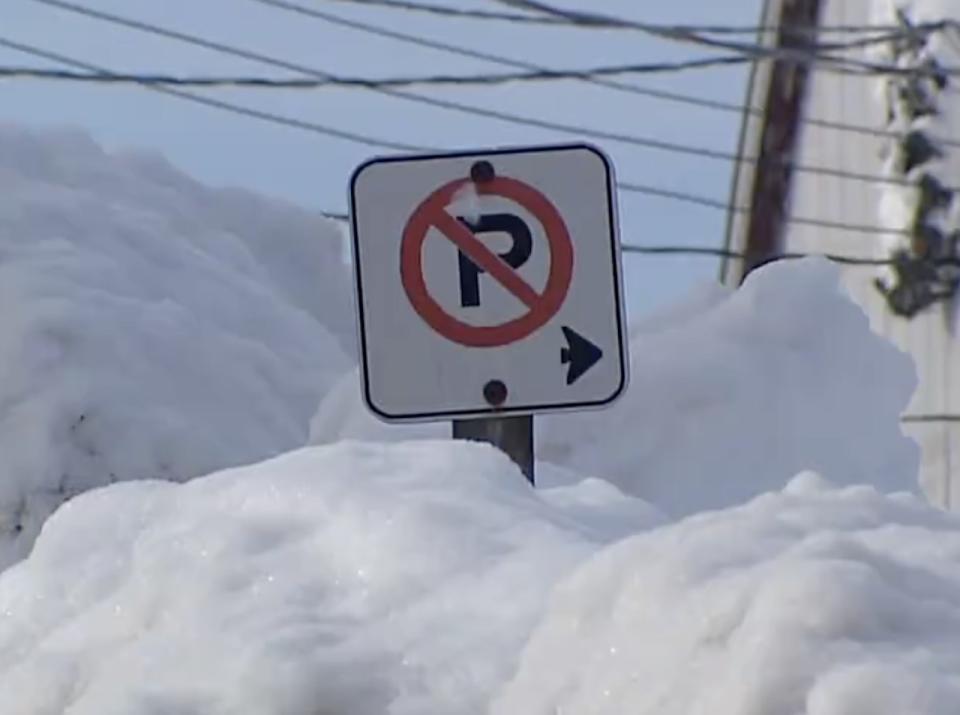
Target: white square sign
x=488 y=283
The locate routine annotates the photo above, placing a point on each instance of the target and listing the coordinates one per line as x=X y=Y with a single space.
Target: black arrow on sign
x=580 y=353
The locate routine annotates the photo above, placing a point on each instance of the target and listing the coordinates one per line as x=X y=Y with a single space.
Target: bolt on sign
x=488 y=283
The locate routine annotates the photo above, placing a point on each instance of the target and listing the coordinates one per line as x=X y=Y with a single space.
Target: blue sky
x=312 y=170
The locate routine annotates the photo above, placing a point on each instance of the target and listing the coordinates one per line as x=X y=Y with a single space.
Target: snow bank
x=422 y=579
x=348 y=579
x=783 y=376
x=816 y=600
x=780 y=376
x=151 y=327
x=148 y=331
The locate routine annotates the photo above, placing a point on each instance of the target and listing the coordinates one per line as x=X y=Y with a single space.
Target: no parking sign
x=488 y=283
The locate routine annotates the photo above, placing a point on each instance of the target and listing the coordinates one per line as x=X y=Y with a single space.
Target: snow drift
x=347 y=579
x=780 y=376
x=407 y=579
x=815 y=600
x=147 y=334
x=151 y=327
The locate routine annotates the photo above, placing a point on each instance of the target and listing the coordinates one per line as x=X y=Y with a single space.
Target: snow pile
x=151 y=327
x=154 y=328
x=783 y=376
x=347 y=579
x=780 y=376
x=421 y=579
x=815 y=600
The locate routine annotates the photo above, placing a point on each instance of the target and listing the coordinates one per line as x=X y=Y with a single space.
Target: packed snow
x=778 y=377
x=151 y=327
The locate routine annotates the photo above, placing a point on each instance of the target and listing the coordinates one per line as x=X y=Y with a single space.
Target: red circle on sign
x=541 y=306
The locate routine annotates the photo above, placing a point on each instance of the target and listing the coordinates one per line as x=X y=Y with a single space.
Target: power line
x=685 y=34
x=935 y=418
x=627 y=187
x=381 y=31
x=455 y=12
x=719 y=204
x=443 y=10
x=649 y=92
x=219 y=47
x=744 y=52
x=726 y=253
x=417 y=40
x=225 y=106
x=682 y=197
x=388 y=144
x=283 y=64
x=539 y=75
x=535 y=73
x=679 y=250
x=644 y=142
x=473 y=110
x=699 y=200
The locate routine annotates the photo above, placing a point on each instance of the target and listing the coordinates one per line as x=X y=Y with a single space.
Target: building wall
x=858 y=100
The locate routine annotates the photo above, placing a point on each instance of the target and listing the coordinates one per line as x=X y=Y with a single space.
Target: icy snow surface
x=151 y=327
x=781 y=376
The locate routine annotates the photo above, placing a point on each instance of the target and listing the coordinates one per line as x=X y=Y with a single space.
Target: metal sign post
x=511 y=435
x=488 y=289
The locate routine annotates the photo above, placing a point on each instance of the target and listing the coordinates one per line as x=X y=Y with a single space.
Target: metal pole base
x=511 y=435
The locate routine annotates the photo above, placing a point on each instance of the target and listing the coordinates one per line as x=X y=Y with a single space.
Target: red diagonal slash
x=489 y=261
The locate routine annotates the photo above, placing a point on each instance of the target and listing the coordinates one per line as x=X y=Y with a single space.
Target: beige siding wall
x=856 y=100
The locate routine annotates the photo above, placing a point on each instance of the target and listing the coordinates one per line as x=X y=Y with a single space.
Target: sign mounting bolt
x=482 y=172
x=495 y=393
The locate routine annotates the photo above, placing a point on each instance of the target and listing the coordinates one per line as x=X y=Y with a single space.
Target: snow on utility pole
x=762 y=184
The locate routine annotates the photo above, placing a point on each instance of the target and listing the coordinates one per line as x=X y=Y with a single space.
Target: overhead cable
x=746 y=52
x=539 y=75
x=457 y=12
x=554 y=126
x=394 y=145
x=457 y=49
x=477 y=110
x=223 y=105
x=720 y=205
x=628 y=88
x=931 y=418
x=741 y=54
x=726 y=253
x=411 y=5
x=682 y=34
x=680 y=250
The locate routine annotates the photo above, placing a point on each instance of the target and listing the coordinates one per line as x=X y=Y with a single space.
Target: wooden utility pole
x=779 y=90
